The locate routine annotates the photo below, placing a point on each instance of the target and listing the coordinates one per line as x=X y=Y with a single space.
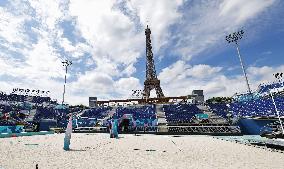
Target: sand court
x=97 y=150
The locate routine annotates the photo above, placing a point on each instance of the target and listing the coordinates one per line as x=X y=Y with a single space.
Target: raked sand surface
x=96 y=150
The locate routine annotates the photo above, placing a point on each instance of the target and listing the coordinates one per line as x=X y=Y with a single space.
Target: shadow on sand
x=119 y=137
x=76 y=150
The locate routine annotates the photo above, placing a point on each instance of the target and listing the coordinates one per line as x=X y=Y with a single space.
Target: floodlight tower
x=234 y=37
x=65 y=63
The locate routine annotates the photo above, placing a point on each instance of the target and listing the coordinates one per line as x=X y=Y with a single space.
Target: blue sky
x=106 y=42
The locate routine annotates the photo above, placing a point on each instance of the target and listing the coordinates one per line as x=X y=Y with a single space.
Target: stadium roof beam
x=234 y=37
x=166 y=100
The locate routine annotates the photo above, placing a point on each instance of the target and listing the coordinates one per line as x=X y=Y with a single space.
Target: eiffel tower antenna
x=151 y=82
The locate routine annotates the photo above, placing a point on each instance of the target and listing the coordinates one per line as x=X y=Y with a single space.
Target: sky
x=105 y=40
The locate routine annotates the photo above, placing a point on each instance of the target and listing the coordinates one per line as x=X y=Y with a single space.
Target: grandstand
x=180 y=113
x=97 y=112
x=261 y=106
x=25 y=98
x=141 y=114
x=264 y=88
x=29 y=110
x=89 y=118
x=23 y=109
x=219 y=109
x=255 y=110
x=40 y=113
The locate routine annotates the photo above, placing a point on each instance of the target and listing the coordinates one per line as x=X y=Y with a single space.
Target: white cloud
x=125 y=85
x=76 y=51
x=42 y=60
x=181 y=70
x=264 y=73
x=104 y=87
x=159 y=15
x=242 y=10
x=178 y=79
x=48 y=12
x=109 y=32
x=203 y=71
x=129 y=70
x=104 y=65
x=170 y=73
x=94 y=82
x=11 y=26
x=206 y=23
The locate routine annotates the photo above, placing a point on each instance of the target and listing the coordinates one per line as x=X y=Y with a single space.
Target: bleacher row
x=180 y=113
x=141 y=112
x=142 y=115
x=260 y=107
x=264 y=88
x=89 y=117
x=219 y=109
x=99 y=112
x=60 y=115
x=246 y=96
x=84 y=122
x=16 y=110
x=22 y=98
x=257 y=107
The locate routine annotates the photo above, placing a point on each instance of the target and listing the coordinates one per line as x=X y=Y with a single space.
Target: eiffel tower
x=151 y=82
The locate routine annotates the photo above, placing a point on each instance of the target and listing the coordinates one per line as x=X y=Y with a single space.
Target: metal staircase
x=213 y=118
x=162 y=122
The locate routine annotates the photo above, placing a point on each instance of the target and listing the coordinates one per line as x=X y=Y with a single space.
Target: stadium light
x=279 y=76
x=137 y=94
x=65 y=63
x=233 y=38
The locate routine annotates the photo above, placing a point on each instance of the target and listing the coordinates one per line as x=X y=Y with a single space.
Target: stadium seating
x=84 y=122
x=263 y=88
x=23 y=98
x=260 y=107
x=141 y=114
x=51 y=113
x=89 y=117
x=180 y=113
x=17 y=108
x=219 y=109
x=256 y=107
x=257 y=104
x=98 y=112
